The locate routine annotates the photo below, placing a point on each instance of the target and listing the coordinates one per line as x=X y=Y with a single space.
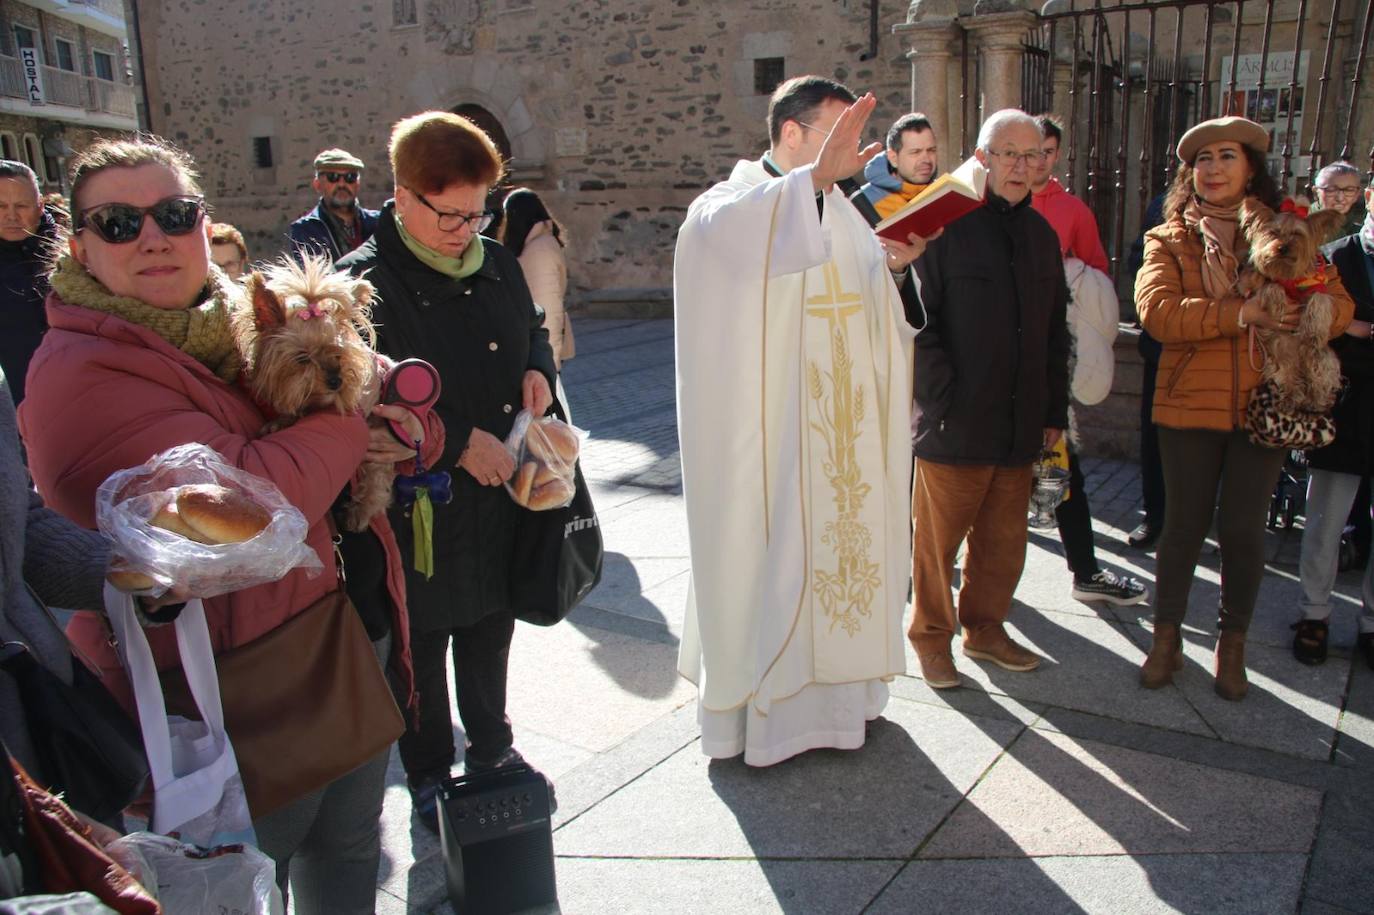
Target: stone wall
x=618 y=111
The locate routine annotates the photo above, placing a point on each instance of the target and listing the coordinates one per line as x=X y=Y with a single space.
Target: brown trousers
x=987 y=505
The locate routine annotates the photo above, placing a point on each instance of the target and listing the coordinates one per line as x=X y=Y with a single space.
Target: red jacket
x=1073 y=222
x=105 y=395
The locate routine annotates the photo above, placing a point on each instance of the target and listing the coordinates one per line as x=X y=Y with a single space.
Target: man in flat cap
x=337 y=224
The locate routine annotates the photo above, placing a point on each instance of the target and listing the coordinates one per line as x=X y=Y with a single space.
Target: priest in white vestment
x=794 y=381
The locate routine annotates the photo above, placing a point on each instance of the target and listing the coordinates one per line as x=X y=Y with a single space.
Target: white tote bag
x=197 y=792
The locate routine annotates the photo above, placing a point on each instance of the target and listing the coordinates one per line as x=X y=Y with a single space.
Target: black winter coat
x=1353 y=449
x=482 y=333
x=24 y=269
x=992 y=361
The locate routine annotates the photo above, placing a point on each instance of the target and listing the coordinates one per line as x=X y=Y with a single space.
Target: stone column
x=930 y=49
x=999 y=35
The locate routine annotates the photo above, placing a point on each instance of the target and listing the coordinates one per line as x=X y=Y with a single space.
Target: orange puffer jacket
x=1205 y=371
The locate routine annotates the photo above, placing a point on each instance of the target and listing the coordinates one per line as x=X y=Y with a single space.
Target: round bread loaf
x=545 y=475
x=524 y=482
x=220 y=515
x=169 y=519
x=552 y=494
x=130 y=580
x=552 y=442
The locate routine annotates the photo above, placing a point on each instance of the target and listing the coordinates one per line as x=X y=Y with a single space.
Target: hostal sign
x=28 y=59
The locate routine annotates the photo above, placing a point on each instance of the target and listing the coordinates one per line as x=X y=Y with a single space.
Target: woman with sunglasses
x=459 y=301
x=139 y=358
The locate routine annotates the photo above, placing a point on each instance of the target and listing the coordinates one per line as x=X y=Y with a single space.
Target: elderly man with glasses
x=1338 y=187
x=338 y=224
x=991 y=392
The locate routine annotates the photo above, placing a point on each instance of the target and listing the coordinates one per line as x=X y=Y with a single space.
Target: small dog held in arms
x=1285 y=265
x=307 y=343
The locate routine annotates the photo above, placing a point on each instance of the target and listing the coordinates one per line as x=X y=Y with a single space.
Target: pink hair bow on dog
x=1290 y=206
x=307 y=310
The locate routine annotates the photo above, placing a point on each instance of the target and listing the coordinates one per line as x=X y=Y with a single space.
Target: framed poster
x=1272 y=106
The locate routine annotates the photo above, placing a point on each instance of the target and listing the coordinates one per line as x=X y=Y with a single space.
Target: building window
x=262 y=152
x=66 y=54
x=404 y=12
x=8 y=147
x=104 y=65
x=31 y=157
x=24 y=37
x=767 y=74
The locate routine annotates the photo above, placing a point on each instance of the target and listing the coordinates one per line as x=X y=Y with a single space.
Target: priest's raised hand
x=840 y=155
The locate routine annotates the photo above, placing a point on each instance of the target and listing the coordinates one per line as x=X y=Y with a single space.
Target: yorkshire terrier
x=1285 y=265
x=308 y=345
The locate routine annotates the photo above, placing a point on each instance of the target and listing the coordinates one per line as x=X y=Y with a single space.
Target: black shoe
x=1143 y=537
x=1309 y=641
x=424 y=803
x=1122 y=590
x=1365 y=645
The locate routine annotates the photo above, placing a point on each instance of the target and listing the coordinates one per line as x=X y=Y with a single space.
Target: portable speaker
x=498 y=842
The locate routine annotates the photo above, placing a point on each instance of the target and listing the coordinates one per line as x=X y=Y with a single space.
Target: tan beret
x=338 y=158
x=1239 y=130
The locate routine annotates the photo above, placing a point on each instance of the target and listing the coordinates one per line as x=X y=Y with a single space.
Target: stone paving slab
x=1052 y=795
x=687 y=887
x=877 y=802
x=598 y=686
x=1239 y=884
x=1090 y=665
x=1355 y=746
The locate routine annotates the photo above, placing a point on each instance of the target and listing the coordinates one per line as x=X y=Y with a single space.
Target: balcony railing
x=67 y=89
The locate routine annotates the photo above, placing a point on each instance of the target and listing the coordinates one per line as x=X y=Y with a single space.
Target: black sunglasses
x=118 y=223
x=336 y=177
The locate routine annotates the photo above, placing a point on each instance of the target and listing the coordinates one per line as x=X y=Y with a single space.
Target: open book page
x=948 y=197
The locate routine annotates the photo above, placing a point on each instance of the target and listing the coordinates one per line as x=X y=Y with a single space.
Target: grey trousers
x=1329 y=497
x=329 y=842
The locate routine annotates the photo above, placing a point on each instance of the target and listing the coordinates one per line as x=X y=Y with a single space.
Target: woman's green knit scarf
x=464 y=265
x=201 y=331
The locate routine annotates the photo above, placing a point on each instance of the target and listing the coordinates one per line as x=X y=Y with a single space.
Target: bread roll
x=220 y=515
x=169 y=519
x=130 y=580
x=546 y=474
x=552 y=494
x=524 y=482
x=552 y=442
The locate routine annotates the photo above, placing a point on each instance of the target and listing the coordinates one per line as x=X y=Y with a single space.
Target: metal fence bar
x=1264 y=46
x=1289 y=141
x=1175 y=87
x=1094 y=107
x=1053 y=42
x=1072 y=174
x=1206 y=103
x=1148 y=111
x=1120 y=195
x=1355 y=84
x=1235 y=55
x=1313 y=151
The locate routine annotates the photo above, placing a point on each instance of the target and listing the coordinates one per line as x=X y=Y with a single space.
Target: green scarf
x=201 y=331
x=465 y=265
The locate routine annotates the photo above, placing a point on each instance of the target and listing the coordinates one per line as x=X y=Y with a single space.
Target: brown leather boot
x=1230 y=666
x=1165 y=657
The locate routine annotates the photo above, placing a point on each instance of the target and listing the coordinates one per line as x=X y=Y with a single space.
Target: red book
x=948 y=197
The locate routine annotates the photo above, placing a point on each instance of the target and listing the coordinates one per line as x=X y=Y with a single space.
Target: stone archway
x=489 y=123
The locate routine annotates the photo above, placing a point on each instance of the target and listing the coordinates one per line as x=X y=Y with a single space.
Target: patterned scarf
x=200 y=331
x=1223 y=247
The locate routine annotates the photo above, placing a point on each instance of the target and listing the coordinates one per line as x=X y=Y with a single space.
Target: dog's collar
x=1307 y=286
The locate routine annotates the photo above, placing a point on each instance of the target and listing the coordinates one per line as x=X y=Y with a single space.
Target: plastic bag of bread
x=189 y=519
x=545 y=452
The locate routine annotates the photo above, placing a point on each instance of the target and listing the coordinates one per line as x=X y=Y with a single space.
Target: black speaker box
x=498 y=842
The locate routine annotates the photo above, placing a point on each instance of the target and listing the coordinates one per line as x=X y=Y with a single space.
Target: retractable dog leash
x=414 y=384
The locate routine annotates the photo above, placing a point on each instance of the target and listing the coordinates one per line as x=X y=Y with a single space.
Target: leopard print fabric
x=1278 y=427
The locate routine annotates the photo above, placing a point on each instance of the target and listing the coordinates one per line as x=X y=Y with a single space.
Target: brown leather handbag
x=303 y=704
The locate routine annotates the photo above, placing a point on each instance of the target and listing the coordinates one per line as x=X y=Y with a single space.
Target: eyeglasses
x=1338 y=191
x=119 y=223
x=336 y=177
x=1009 y=158
x=813 y=127
x=452 y=221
